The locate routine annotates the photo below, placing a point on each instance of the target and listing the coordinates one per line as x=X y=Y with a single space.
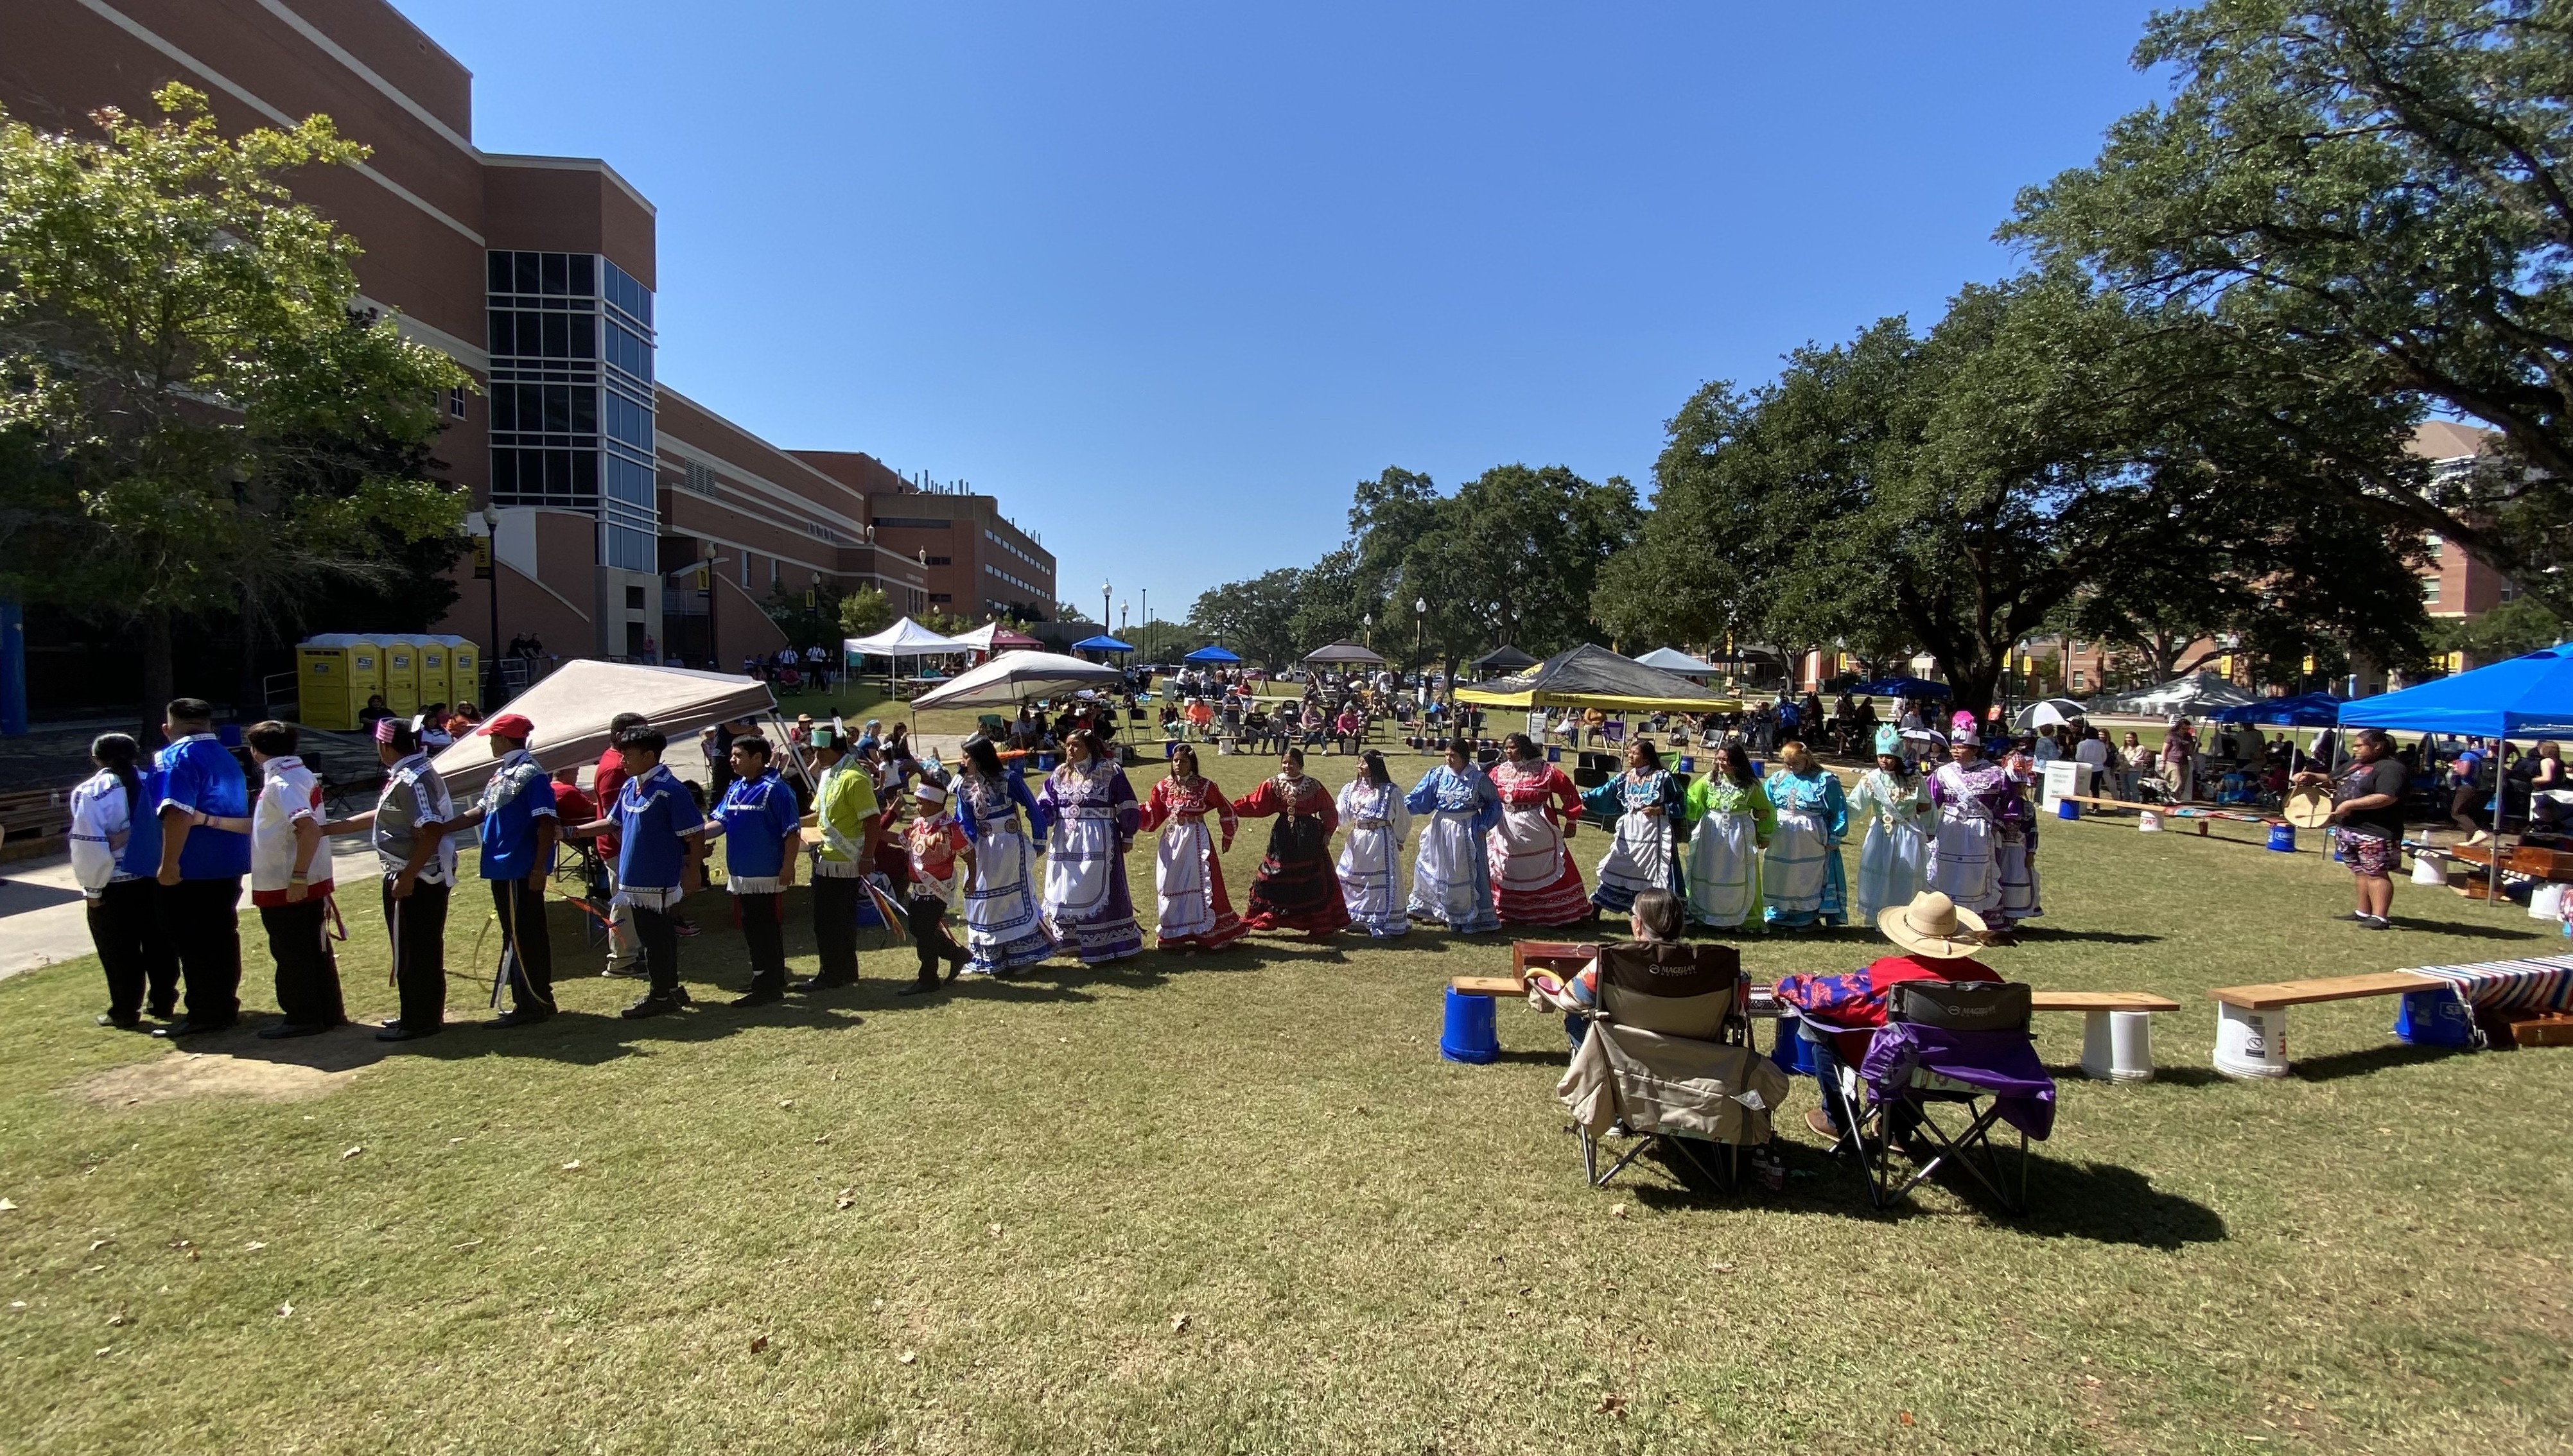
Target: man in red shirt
x=1838 y=1015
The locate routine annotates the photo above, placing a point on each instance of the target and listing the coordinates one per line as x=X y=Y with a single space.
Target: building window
x=940 y=598
x=700 y=480
x=939 y=562
x=456 y=402
x=912 y=523
x=2430 y=590
x=572 y=428
x=635 y=598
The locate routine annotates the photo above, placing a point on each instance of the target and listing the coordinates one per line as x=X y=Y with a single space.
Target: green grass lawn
x=1237 y=1203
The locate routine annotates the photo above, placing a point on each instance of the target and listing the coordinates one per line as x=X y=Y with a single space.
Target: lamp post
x=1105 y=592
x=1123 y=608
x=491 y=654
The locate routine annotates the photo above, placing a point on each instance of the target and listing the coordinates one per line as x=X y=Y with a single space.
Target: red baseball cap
x=509 y=725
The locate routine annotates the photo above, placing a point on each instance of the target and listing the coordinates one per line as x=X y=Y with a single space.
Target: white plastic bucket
x=2250 y=1044
x=2427 y=871
x=2148 y=823
x=2117 y=1045
x=2547 y=902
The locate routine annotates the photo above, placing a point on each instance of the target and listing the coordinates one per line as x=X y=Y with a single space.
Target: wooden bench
x=2251 y=1021
x=35 y=823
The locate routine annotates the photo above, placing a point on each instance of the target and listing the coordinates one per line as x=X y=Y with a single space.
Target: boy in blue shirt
x=660 y=838
x=760 y=823
x=516 y=818
x=201 y=866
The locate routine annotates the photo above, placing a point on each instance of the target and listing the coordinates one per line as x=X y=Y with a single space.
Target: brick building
x=622 y=514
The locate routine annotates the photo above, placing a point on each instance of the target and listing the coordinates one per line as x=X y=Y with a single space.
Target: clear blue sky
x=1167 y=278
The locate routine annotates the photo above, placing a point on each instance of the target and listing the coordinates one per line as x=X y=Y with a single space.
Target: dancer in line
x=1975 y=799
x=1534 y=881
x=1801 y=878
x=1894 y=858
x=1730 y=821
x=1643 y=806
x=1195 y=911
x=1089 y=812
x=114 y=866
x=940 y=855
x=1372 y=808
x=1451 y=880
x=1294 y=888
x=1003 y=929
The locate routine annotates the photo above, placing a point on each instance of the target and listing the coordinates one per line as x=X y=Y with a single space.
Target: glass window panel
x=557 y=266
x=497 y=272
x=527 y=267
x=503 y=334
x=582 y=288
x=585 y=333
x=585 y=412
x=585 y=472
x=505 y=406
x=557 y=336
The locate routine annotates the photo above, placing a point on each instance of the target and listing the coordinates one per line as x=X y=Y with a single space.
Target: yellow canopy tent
x=1588 y=676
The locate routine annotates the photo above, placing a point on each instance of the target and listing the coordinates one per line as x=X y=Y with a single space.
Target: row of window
x=561 y=275
x=911 y=523
x=551 y=409
x=527 y=334
x=628 y=420
x=629 y=350
x=568 y=478
x=626 y=294
x=1026 y=586
x=1012 y=547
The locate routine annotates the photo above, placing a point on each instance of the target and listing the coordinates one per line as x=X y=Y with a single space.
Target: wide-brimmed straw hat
x=1933 y=925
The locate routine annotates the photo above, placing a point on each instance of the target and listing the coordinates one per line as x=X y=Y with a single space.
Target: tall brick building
x=621 y=511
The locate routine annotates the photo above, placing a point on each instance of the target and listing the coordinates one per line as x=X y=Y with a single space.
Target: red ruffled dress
x=1534 y=881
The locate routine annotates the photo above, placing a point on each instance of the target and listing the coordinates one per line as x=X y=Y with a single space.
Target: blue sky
x=1169 y=279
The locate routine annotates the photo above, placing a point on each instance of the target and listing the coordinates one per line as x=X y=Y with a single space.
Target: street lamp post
x=1105 y=592
x=491 y=654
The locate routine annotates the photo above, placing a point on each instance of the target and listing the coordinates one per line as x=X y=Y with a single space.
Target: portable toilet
x=367 y=666
x=401 y=675
x=464 y=670
x=331 y=685
x=433 y=685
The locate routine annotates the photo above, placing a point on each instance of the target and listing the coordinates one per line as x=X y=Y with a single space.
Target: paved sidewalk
x=42 y=922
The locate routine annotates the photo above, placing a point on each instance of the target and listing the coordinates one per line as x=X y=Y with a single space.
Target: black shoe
x=819 y=983
x=917 y=987
x=632 y=970
x=2375 y=922
x=651 y=1005
x=122 y=1024
x=683 y=927
x=758 y=995
x=406 y=1034
x=954 y=969
x=284 y=1029
x=519 y=1015
x=189 y=1029
x=680 y=995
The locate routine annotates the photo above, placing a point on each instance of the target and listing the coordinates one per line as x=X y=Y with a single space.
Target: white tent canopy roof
x=1015 y=677
x=2196 y=695
x=571 y=709
x=1671 y=659
x=906 y=638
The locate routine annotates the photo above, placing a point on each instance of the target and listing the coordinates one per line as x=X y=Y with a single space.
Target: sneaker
x=651 y=1005
x=407 y=1034
x=284 y=1029
x=818 y=983
x=758 y=995
x=918 y=987
x=521 y=1015
x=2374 y=923
x=122 y=1024
x=632 y=970
x=189 y=1029
x=2357 y=917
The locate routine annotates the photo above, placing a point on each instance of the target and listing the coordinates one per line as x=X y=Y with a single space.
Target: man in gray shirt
x=409 y=829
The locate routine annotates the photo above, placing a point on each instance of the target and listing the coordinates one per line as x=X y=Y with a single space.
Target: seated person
x=1838 y=1015
x=1654 y=919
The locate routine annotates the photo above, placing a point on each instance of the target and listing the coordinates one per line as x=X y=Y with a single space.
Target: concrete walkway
x=43 y=922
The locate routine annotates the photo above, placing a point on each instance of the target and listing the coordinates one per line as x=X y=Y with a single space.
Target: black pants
x=198 y=918
x=125 y=926
x=527 y=951
x=765 y=934
x=308 y=976
x=835 y=929
x=660 y=938
x=418 y=924
x=929 y=936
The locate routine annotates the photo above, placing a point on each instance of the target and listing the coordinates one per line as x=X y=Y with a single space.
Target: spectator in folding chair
x=1932 y=1026
x=1662 y=1047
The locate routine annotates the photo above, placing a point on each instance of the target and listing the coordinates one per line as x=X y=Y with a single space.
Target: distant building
x=625 y=515
x=2456 y=586
x=974 y=561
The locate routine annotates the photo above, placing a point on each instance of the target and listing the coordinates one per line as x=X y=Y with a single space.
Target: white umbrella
x=2045 y=712
x=571 y=706
x=1015 y=677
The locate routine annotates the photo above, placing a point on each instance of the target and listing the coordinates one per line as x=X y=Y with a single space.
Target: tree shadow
x=2335 y=1066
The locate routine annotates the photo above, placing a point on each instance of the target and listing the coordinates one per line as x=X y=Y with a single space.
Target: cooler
x=401 y=675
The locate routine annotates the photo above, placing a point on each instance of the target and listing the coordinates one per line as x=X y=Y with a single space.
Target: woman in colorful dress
x=1975 y=799
x=1644 y=805
x=1295 y=889
x=1801 y=878
x=2015 y=850
x=1372 y=811
x=1196 y=914
x=1089 y=816
x=1002 y=931
x=1451 y=884
x=1534 y=881
x=1894 y=859
x=1730 y=821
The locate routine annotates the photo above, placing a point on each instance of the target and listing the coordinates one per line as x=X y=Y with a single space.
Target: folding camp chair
x=1677 y=1044
x=1899 y=1111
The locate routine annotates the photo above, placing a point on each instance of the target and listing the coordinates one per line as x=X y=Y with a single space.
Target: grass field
x=1237 y=1204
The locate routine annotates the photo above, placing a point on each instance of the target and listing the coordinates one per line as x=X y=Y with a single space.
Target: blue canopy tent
x=2306 y=710
x=2524 y=697
x=1902 y=687
x=1102 y=644
x=1212 y=653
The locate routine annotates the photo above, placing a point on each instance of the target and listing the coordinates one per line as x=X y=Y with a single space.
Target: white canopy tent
x=1015 y=678
x=2195 y=696
x=571 y=706
x=907 y=638
x=1671 y=659
x=992 y=636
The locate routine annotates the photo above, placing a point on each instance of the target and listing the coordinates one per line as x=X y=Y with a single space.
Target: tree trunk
x=249 y=690
x=158 y=685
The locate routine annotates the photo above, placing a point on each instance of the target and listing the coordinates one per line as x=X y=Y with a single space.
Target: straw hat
x=1933 y=925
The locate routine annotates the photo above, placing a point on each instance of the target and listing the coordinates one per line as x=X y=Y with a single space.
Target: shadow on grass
x=2474 y=930
x=2339 y=1065
x=2039 y=934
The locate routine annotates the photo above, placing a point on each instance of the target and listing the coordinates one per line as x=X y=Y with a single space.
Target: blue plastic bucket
x=2066 y=809
x=1470 y=1034
x=2282 y=838
x=1792 y=1053
x=1759 y=770
x=1688 y=764
x=1553 y=753
x=2433 y=1017
x=1044 y=763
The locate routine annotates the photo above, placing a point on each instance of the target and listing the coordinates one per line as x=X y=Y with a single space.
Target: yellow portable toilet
x=365 y=670
x=463 y=671
x=401 y=675
x=432 y=671
x=330 y=689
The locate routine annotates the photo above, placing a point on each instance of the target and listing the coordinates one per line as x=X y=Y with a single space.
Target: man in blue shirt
x=516 y=818
x=660 y=837
x=760 y=824
x=201 y=866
